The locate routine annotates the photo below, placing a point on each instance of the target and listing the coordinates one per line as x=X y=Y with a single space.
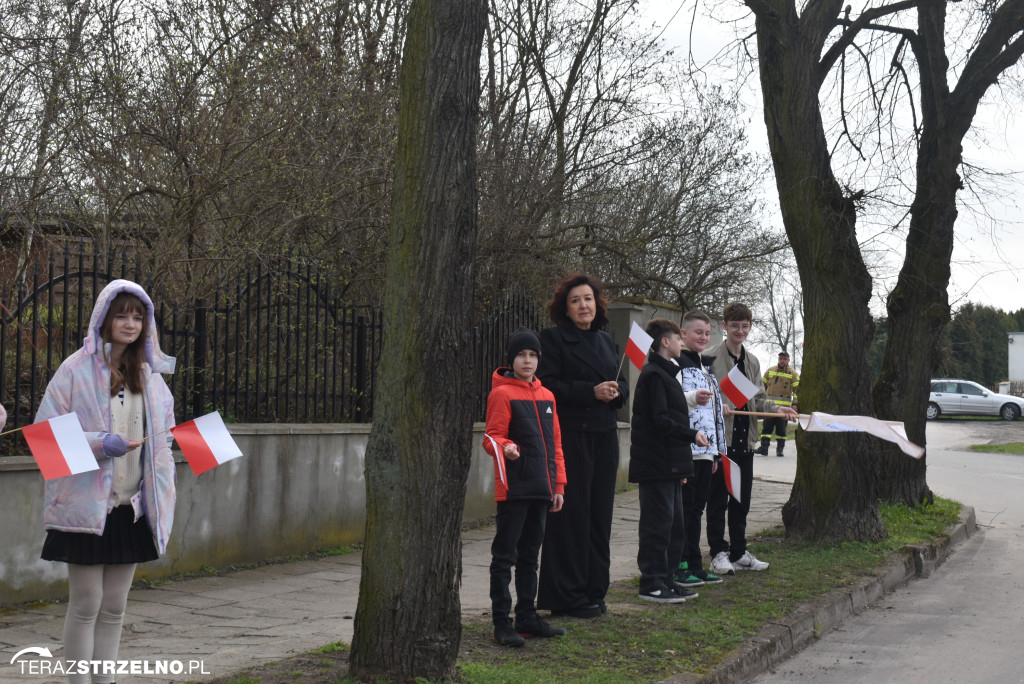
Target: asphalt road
x=965 y=623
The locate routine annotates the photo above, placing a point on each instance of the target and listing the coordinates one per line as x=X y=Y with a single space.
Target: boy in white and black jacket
x=660 y=462
x=702 y=394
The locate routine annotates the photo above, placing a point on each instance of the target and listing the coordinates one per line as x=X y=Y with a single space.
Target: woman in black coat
x=579 y=364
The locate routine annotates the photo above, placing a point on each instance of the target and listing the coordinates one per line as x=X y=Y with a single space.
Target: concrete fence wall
x=298 y=488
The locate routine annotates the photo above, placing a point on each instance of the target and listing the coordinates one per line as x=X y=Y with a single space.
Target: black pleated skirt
x=124 y=540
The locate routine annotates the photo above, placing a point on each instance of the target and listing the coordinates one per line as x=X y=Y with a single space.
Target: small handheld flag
x=205 y=442
x=731 y=471
x=638 y=345
x=60 y=447
x=737 y=387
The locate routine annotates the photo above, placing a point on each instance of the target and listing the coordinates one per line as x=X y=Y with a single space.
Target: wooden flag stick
x=155 y=434
x=761 y=414
x=9 y=432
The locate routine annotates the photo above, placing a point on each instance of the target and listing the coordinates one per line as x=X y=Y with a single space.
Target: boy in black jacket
x=660 y=461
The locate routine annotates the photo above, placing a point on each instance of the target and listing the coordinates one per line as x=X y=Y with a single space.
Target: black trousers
x=720 y=503
x=574 y=567
x=662 y=533
x=774 y=427
x=695 y=497
x=517 y=540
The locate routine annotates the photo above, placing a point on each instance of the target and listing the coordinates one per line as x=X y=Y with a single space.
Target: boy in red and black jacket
x=529 y=481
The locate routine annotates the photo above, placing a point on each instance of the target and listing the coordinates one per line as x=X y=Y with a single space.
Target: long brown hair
x=134 y=355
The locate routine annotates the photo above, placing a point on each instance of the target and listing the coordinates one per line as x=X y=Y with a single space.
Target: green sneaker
x=686 y=578
x=706 y=577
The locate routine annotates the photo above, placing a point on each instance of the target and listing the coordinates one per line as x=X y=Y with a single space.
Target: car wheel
x=933 y=411
x=1009 y=412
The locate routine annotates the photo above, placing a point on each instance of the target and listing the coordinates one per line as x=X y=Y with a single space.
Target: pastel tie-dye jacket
x=80 y=503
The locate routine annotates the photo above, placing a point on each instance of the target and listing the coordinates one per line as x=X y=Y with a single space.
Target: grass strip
x=1010 y=448
x=640 y=642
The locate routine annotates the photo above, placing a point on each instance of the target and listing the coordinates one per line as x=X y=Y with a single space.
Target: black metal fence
x=273 y=345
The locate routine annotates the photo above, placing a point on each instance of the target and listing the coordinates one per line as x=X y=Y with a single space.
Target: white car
x=954 y=397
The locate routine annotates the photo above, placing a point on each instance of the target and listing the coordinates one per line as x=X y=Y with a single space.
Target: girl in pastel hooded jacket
x=103 y=522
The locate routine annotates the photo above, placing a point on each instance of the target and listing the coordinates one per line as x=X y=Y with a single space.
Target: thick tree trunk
x=408 y=623
x=918 y=306
x=834 y=495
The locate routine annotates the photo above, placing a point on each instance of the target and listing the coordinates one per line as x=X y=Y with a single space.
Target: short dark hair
x=691 y=316
x=659 y=328
x=736 y=311
x=784 y=353
x=559 y=305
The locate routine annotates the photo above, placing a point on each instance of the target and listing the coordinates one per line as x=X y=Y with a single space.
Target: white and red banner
x=60 y=447
x=737 y=387
x=205 y=442
x=499 y=461
x=889 y=430
x=638 y=345
x=731 y=471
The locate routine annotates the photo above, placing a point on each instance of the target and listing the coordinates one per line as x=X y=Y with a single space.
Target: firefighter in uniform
x=780 y=383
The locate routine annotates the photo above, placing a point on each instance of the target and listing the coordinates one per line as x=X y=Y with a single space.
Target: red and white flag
x=499 y=462
x=205 y=442
x=60 y=447
x=731 y=471
x=638 y=345
x=737 y=388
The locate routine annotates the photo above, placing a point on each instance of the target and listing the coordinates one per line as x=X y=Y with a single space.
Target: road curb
x=780 y=639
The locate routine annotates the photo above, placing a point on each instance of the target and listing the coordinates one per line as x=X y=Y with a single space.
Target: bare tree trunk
x=919 y=306
x=834 y=495
x=408 y=623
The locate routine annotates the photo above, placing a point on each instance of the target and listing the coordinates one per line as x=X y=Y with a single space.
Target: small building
x=1015 y=345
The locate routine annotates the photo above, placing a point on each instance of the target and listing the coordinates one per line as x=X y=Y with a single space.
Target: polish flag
x=205 y=442
x=731 y=471
x=638 y=346
x=499 y=461
x=60 y=447
x=737 y=388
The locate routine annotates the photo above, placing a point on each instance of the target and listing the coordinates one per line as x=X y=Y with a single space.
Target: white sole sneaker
x=720 y=565
x=748 y=562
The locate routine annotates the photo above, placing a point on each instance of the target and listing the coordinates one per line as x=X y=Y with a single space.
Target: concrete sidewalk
x=242 y=619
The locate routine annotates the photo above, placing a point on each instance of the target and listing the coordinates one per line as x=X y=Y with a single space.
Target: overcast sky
x=988 y=259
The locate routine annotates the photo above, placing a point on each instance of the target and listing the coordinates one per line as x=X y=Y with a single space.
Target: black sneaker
x=683 y=593
x=534 y=626
x=506 y=635
x=662 y=595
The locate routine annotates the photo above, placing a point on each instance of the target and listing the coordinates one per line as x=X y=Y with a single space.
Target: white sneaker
x=748 y=562
x=720 y=564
